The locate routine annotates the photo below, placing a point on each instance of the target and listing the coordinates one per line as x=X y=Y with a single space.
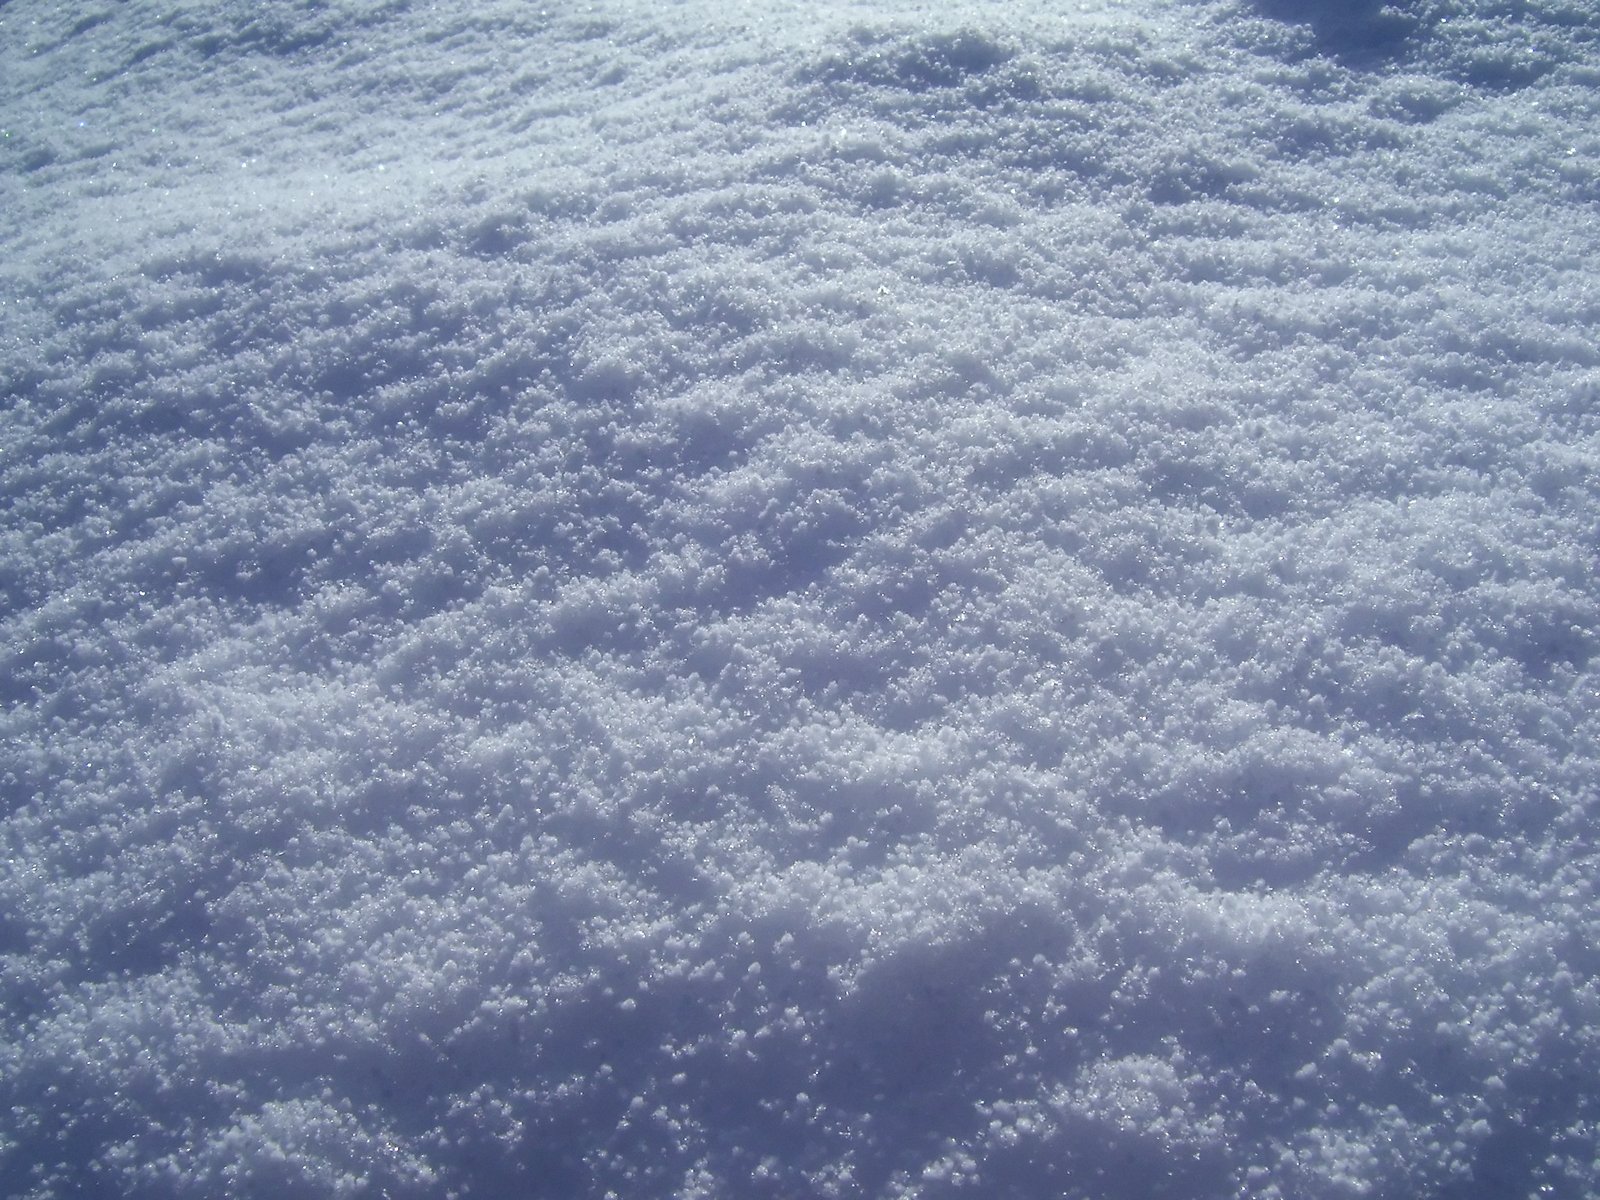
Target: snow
x=857 y=600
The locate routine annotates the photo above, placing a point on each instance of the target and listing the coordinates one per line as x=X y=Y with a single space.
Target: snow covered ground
x=764 y=600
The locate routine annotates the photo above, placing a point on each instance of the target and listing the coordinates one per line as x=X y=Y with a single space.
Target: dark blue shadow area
x=1348 y=28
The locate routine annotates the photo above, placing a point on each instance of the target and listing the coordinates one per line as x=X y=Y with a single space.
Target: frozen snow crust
x=799 y=603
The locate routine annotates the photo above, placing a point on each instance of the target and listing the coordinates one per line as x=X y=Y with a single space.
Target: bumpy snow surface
x=758 y=600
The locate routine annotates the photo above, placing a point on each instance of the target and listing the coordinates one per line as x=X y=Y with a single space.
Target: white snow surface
x=769 y=600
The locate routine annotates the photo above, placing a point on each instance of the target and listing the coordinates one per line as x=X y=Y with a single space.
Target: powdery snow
x=771 y=601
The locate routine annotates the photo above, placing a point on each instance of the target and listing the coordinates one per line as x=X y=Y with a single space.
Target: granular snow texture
x=771 y=601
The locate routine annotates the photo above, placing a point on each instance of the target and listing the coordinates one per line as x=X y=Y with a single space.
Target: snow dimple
x=1494 y=47
x=1362 y=30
